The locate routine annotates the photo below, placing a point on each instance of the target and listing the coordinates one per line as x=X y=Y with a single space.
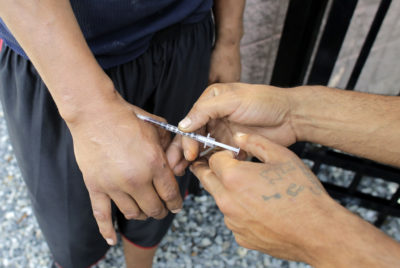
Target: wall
x=263 y=23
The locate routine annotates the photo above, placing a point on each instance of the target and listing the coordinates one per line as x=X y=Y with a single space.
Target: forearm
x=229 y=21
x=363 y=124
x=345 y=240
x=50 y=35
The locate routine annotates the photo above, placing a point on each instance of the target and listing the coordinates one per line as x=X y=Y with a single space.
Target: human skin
x=280 y=208
x=121 y=158
x=364 y=124
x=225 y=67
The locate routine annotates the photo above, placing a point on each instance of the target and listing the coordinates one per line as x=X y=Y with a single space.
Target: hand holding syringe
x=207 y=141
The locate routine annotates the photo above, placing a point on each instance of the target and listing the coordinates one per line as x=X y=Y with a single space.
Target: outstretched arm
x=359 y=123
x=364 y=124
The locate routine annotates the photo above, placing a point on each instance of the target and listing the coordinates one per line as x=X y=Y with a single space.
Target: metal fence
x=313 y=35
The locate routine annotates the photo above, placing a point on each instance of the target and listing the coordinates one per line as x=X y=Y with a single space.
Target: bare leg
x=136 y=257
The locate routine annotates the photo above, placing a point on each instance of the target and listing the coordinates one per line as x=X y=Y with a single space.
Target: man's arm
x=280 y=208
x=50 y=35
x=225 y=67
x=120 y=157
x=364 y=124
x=225 y=59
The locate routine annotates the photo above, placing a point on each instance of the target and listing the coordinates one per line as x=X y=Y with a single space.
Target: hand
x=122 y=159
x=237 y=107
x=278 y=207
x=224 y=67
x=225 y=64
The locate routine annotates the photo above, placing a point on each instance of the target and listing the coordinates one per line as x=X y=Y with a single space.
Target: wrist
x=89 y=102
x=302 y=110
x=343 y=239
x=230 y=37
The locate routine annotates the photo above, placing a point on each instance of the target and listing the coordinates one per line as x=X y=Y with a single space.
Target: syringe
x=207 y=141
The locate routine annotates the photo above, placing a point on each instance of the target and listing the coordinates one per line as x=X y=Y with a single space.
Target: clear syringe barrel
x=207 y=141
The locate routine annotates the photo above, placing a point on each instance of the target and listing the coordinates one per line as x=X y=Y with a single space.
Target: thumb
x=262 y=148
x=217 y=105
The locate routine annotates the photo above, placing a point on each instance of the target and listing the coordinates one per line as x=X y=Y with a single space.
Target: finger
x=262 y=148
x=222 y=163
x=206 y=109
x=208 y=178
x=191 y=148
x=101 y=205
x=174 y=152
x=127 y=206
x=165 y=138
x=167 y=187
x=149 y=201
x=212 y=79
x=180 y=168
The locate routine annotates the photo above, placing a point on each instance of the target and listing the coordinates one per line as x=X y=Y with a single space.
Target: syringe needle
x=207 y=141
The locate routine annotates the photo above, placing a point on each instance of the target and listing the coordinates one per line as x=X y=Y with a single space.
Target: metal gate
x=307 y=55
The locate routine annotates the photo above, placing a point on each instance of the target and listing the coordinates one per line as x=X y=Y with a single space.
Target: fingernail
x=175 y=211
x=185 y=123
x=187 y=154
x=239 y=134
x=110 y=241
x=216 y=91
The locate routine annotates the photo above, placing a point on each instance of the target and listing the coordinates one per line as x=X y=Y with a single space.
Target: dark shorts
x=166 y=80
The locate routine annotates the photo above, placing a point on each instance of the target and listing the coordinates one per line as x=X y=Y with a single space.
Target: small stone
x=205 y=242
x=9 y=215
x=218 y=240
x=242 y=251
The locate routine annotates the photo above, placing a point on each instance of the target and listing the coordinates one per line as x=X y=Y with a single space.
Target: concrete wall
x=263 y=22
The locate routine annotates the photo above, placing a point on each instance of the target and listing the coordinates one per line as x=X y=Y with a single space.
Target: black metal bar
x=363 y=200
x=302 y=23
x=369 y=42
x=383 y=213
x=331 y=42
x=356 y=164
x=355 y=182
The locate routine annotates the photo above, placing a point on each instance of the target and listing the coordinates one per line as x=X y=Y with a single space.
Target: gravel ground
x=198 y=237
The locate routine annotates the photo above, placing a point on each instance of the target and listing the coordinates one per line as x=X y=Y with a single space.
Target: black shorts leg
x=180 y=66
x=166 y=80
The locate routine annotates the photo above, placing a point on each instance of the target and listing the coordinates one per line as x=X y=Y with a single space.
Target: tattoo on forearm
x=294 y=189
x=316 y=186
x=276 y=173
x=276 y=196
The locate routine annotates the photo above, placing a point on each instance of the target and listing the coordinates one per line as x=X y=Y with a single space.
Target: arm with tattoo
x=280 y=208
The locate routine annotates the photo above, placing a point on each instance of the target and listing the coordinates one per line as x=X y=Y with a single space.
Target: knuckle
x=170 y=195
x=132 y=214
x=157 y=212
x=106 y=232
x=92 y=186
x=154 y=158
x=227 y=175
x=132 y=182
x=101 y=216
x=224 y=205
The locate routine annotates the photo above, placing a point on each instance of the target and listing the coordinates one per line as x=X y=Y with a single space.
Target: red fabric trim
x=186 y=193
x=1 y=44
x=136 y=245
